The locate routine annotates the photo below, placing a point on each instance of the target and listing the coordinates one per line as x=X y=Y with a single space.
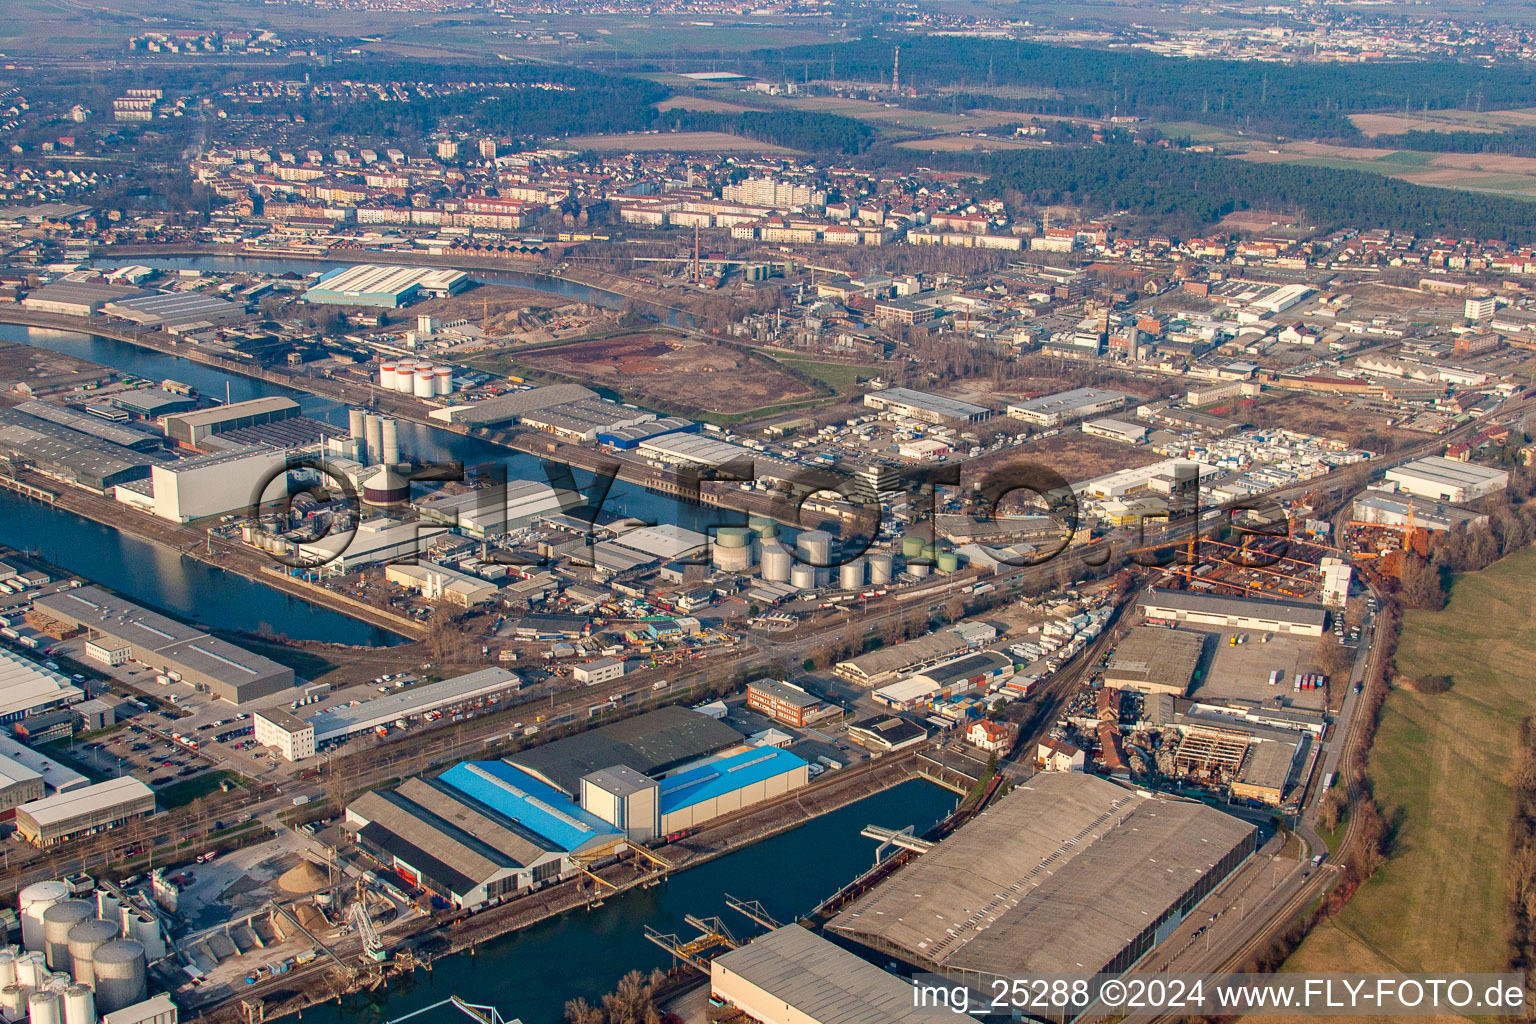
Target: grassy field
x=1441 y=766
x=842 y=377
x=709 y=142
x=179 y=794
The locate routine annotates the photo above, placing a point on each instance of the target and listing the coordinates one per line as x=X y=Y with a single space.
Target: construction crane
x=373 y=946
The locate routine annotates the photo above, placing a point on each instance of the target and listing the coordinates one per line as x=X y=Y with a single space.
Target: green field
x=1441 y=767
x=179 y=794
x=842 y=377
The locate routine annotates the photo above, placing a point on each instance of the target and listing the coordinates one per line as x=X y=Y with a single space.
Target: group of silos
x=380 y=434
x=410 y=377
x=77 y=957
x=923 y=557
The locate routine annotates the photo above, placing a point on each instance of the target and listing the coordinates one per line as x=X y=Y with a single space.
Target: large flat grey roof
x=1214 y=604
x=1059 y=877
x=824 y=982
x=648 y=743
x=1155 y=656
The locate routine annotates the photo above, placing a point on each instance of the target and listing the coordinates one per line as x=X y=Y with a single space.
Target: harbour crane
x=373 y=946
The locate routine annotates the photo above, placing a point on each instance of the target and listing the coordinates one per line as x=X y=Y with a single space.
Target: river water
x=531 y=973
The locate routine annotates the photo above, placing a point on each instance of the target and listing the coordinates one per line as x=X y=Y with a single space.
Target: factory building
x=212 y=485
x=57 y=778
x=729 y=783
x=377 y=540
x=27 y=688
x=18 y=785
x=479 y=833
x=1098 y=909
x=1068 y=406
x=75 y=298
x=625 y=799
x=920 y=405
x=63 y=816
x=1447 y=479
x=1234 y=612
x=439 y=583
x=368 y=284
x=1152 y=659
x=340 y=723
x=191 y=428
x=508 y=410
x=651 y=744
x=962 y=675
x=886 y=663
x=1383 y=508
x=165 y=645
x=175 y=309
x=584 y=420
x=291 y=736
x=794 y=976
x=94 y=426
x=627 y=438
x=788 y=703
x=72 y=456
x=598 y=671
x=492 y=511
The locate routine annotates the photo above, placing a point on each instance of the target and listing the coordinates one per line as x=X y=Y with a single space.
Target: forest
x=1194 y=189
x=1300 y=101
x=1520 y=142
x=797 y=129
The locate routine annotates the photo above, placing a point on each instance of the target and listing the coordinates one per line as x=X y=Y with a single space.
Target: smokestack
x=372 y=438
x=389 y=443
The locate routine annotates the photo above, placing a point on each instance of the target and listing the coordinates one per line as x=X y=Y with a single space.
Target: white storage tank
x=121 y=975
x=85 y=939
x=387 y=376
x=79 y=1005
x=372 y=437
x=45 y=1008
x=803 y=576
x=389 y=442
x=850 y=575
x=7 y=968
x=13 y=1002
x=57 y=921
x=31 y=970
x=443 y=379
x=146 y=932
x=777 y=562
x=880 y=569
x=31 y=903
x=403 y=376
x=732 y=548
x=107 y=905
x=426 y=385
x=815 y=547
x=355 y=429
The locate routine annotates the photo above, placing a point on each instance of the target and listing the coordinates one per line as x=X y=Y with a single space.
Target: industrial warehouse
x=370 y=285
x=484 y=830
x=1052 y=879
x=1234 y=612
x=62 y=816
x=1153 y=659
x=165 y=645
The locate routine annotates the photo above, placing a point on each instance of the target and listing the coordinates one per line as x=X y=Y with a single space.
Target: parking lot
x=1242 y=672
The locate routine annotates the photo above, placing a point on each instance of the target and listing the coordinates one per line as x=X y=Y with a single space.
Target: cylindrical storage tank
x=13 y=1002
x=120 y=975
x=125 y=920
x=850 y=575
x=386 y=487
x=31 y=970
x=815 y=547
x=948 y=561
x=404 y=374
x=911 y=547
x=442 y=379
x=764 y=526
x=777 y=562
x=107 y=906
x=57 y=921
x=732 y=549
x=85 y=939
x=146 y=931
x=372 y=437
x=354 y=424
x=733 y=537
x=7 y=968
x=919 y=569
x=45 y=1008
x=79 y=1005
x=389 y=442
x=803 y=576
x=387 y=376
x=32 y=902
x=426 y=385
x=880 y=569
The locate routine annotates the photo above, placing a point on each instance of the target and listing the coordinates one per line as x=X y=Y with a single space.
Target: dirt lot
x=499 y=302
x=670 y=371
x=1341 y=418
x=699 y=142
x=1079 y=456
x=964 y=143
